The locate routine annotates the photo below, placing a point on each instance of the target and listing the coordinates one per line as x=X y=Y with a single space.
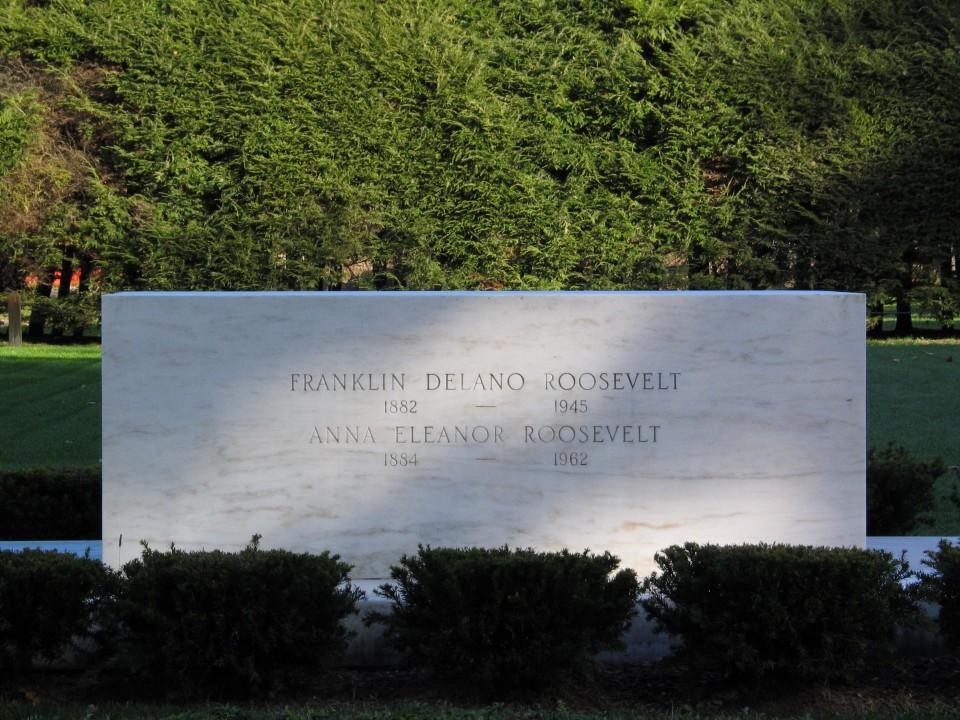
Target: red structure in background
x=74 y=280
x=32 y=280
x=45 y=319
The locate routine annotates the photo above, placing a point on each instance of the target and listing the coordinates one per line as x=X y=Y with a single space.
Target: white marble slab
x=720 y=417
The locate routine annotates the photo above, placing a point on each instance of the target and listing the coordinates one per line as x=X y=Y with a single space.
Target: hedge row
x=507 y=618
x=185 y=622
x=50 y=504
x=216 y=623
x=780 y=611
x=477 y=144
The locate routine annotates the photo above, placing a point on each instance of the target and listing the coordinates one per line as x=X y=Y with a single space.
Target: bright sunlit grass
x=51 y=405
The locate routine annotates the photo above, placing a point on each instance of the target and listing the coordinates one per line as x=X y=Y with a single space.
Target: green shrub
x=513 y=618
x=899 y=490
x=56 y=504
x=943 y=587
x=200 y=623
x=72 y=312
x=48 y=599
x=481 y=144
x=21 y=116
x=778 y=611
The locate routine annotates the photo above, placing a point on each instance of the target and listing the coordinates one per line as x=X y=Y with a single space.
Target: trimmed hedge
x=200 y=623
x=575 y=144
x=778 y=611
x=48 y=599
x=50 y=504
x=216 y=623
x=899 y=489
x=506 y=618
x=943 y=587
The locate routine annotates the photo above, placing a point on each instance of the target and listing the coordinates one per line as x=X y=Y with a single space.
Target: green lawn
x=51 y=403
x=913 y=399
x=913 y=396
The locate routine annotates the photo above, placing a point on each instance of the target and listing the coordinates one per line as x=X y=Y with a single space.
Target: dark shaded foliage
x=899 y=490
x=230 y=624
x=48 y=600
x=505 y=618
x=790 y=613
x=942 y=586
x=50 y=504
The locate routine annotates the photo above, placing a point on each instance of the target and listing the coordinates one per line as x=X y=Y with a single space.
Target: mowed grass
x=50 y=413
x=913 y=400
x=51 y=408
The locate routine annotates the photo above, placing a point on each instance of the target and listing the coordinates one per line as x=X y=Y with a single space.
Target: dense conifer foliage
x=480 y=144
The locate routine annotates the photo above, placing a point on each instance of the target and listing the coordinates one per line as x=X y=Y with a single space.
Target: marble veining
x=366 y=423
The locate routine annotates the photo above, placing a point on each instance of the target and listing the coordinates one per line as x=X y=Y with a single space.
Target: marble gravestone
x=366 y=423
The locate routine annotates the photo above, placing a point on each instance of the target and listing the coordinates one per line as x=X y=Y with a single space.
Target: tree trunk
x=803 y=278
x=904 y=324
x=82 y=288
x=38 y=315
x=949 y=274
x=697 y=267
x=876 y=320
x=15 y=325
x=66 y=275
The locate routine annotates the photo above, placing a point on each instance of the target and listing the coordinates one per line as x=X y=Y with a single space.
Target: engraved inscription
x=582 y=421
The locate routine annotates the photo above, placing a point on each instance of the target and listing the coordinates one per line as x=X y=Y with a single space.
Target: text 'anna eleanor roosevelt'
x=499 y=381
x=484 y=434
